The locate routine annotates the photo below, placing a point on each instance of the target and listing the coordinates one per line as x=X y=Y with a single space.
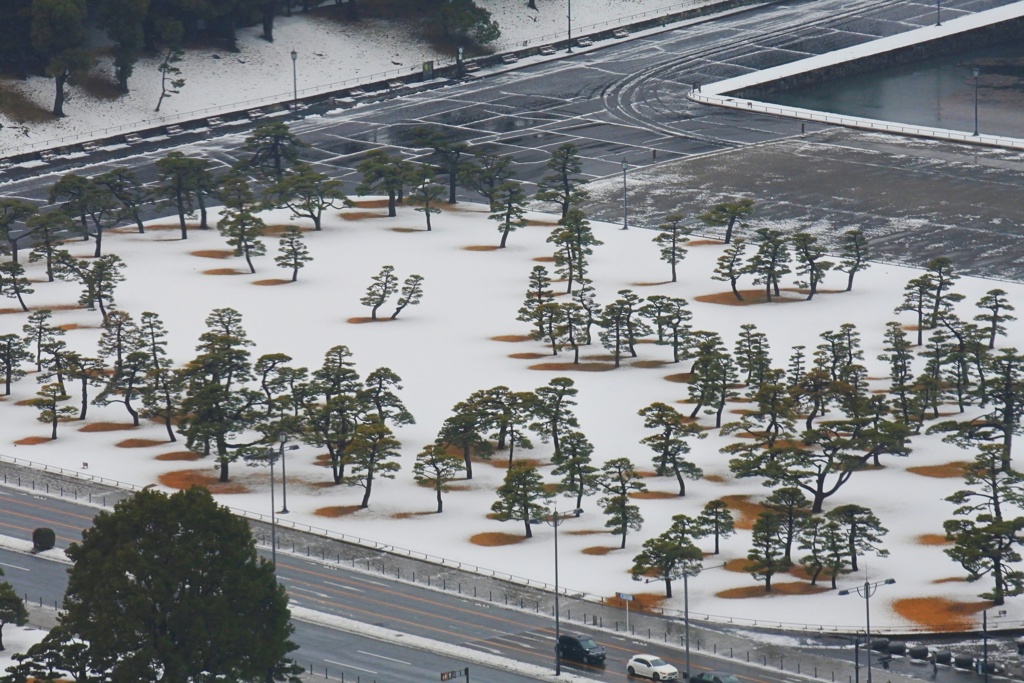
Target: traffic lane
x=335 y=653
x=34 y=578
x=21 y=512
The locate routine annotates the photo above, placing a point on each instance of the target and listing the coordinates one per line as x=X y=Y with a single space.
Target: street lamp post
x=295 y=82
x=625 y=208
x=568 y=48
x=977 y=72
x=282 y=439
x=555 y=520
x=866 y=591
x=938 y=12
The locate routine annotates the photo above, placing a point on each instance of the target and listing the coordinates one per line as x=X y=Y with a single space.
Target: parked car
x=580 y=648
x=652 y=667
x=714 y=677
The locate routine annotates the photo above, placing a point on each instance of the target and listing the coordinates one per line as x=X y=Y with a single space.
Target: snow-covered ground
x=330 y=56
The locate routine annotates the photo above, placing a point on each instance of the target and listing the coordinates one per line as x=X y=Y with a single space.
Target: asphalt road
x=627 y=102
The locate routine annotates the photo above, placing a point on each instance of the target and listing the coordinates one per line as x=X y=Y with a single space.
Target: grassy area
x=18 y=108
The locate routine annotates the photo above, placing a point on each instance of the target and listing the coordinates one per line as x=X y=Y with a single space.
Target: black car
x=713 y=677
x=580 y=649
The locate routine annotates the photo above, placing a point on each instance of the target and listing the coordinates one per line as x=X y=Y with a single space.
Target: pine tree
x=334 y=406
x=793 y=508
x=522 y=496
x=12 y=609
x=753 y=356
x=486 y=175
x=811 y=263
x=437 y=467
x=617 y=480
x=13 y=283
x=552 y=410
x=538 y=293
x=307 y=193
x=384 y=173
x=573 y=465
x=384 y=284
x=426 y=194
x=563 y=185
x=242 y=229
x=770 y=262
x=766 y=554
x=274 y=148
x=712 y=375
x=161 y=392
x=728 y=214
x=669 y=443
x=855 y=255
x=39 y=332
x=670 y=556
x=47 y=231
x=466 y=429
x=508 y=208
x=48 y=403
x=122 y=184
x=13 y=353
x=411 y=294
x=381 y=386
x=731 y=266
x=13 y=211
x=826 y=545
x=671 y=241
x=862 y=529
x=716 y=521
x=369 y=454
x=994 y=301
x=447 y=152
x=293 y=253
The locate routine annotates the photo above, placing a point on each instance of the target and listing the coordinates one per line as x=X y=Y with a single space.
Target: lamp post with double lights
x=555 y=519
x=625 y=207
x=977 y=72
x=866 y=591
x=295 y=81
x=282 y=439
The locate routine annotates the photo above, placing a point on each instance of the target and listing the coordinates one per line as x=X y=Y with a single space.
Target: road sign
x=625 y=596
x=452 y=675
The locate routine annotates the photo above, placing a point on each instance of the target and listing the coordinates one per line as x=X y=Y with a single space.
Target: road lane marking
x=14 y=566
x=485 y=648
x=390 y=659
x=350 y=666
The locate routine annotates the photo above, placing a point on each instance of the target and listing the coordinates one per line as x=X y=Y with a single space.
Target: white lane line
x=344 y=587
x=484 y=648
x=513 y=640
x=14 y=566
x=390 y=659
x=350 y=666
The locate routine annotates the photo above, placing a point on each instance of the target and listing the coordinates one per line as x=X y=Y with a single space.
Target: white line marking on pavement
x=390 y=659
x=350 y=666
x=485 y=649
x=14 y=566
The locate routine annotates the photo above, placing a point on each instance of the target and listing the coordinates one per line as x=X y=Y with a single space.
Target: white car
x=652 y=667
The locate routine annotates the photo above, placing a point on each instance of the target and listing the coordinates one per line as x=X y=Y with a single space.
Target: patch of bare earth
x=652 y=495
x=949 y=470
x=580 y=367
x=274 y=230
x=363 y=320
x=67 y=327
x=703 y=243
x=224 y=271
x=492 y=539
x=511 y=338
x=186 y=479
x=178 y=456
x=951 y=579
x=940 y=614
x=640 y=601
x=213 y=253
x=33 y=440
x=933 y=539
x=361 y=215
x=598 y=550
x=502 y=462
x=545 y=259
x=747 y=510
x=535 y=222
x=139 y=443
x=408 y=515
x=480 y=247
x=715 y=478
x=528 y=356
x=679 y=377
x=5 y=311
x=371 y=203
x=407 y=229
x=169 y=226
x=649 y=363
x=585 y=532
x=650 y=284
x=337 y=510
x=106 y=427
x=780 y=588
x=271 y=283
x=750 y=297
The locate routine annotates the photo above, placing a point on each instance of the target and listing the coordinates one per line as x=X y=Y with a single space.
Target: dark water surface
x=937 y=93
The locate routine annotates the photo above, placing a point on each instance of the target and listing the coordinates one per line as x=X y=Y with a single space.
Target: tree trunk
x=668 y=587
x=466 y=456
x=392 y=199
x=440 y=505
x=526 y=522
x=223 y=471
x=366 y=492
x=58 y=100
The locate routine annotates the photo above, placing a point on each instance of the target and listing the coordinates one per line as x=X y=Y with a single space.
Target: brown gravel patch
x=501 y=461
x=106 y=427
x=640 y=601
x=33 y=440
x=680 y=377
x=360 y=215
x=746 y=510
x=653 y=495
x=271 y=283
x=738 y=565
x=950 y=470
x=24 y=402
x=178 y=456
x=750 y=297
x=223 y=271
x=598 y=550
x=409 y=515
x=367 y=319
x=545 y=259
x=170 y=226
x=528 y=356
x=585 y=532
x=650 y=284
x=4 y=311
x=139 y=443
x=778 y=588
x=649 y=363
x=371 y=203
x=337 y=510
x=567 y=367
x=547 y=223
x=715 y=478
x=407 y=229
x=933 y=539
x=492 y=539
x=273 y=230
x=213 y=253
x=186 y=479
x=511 y=338
x=951 y=579
x=480 y=247
x=74 y=326
x=940 y=614
x=704 y=243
